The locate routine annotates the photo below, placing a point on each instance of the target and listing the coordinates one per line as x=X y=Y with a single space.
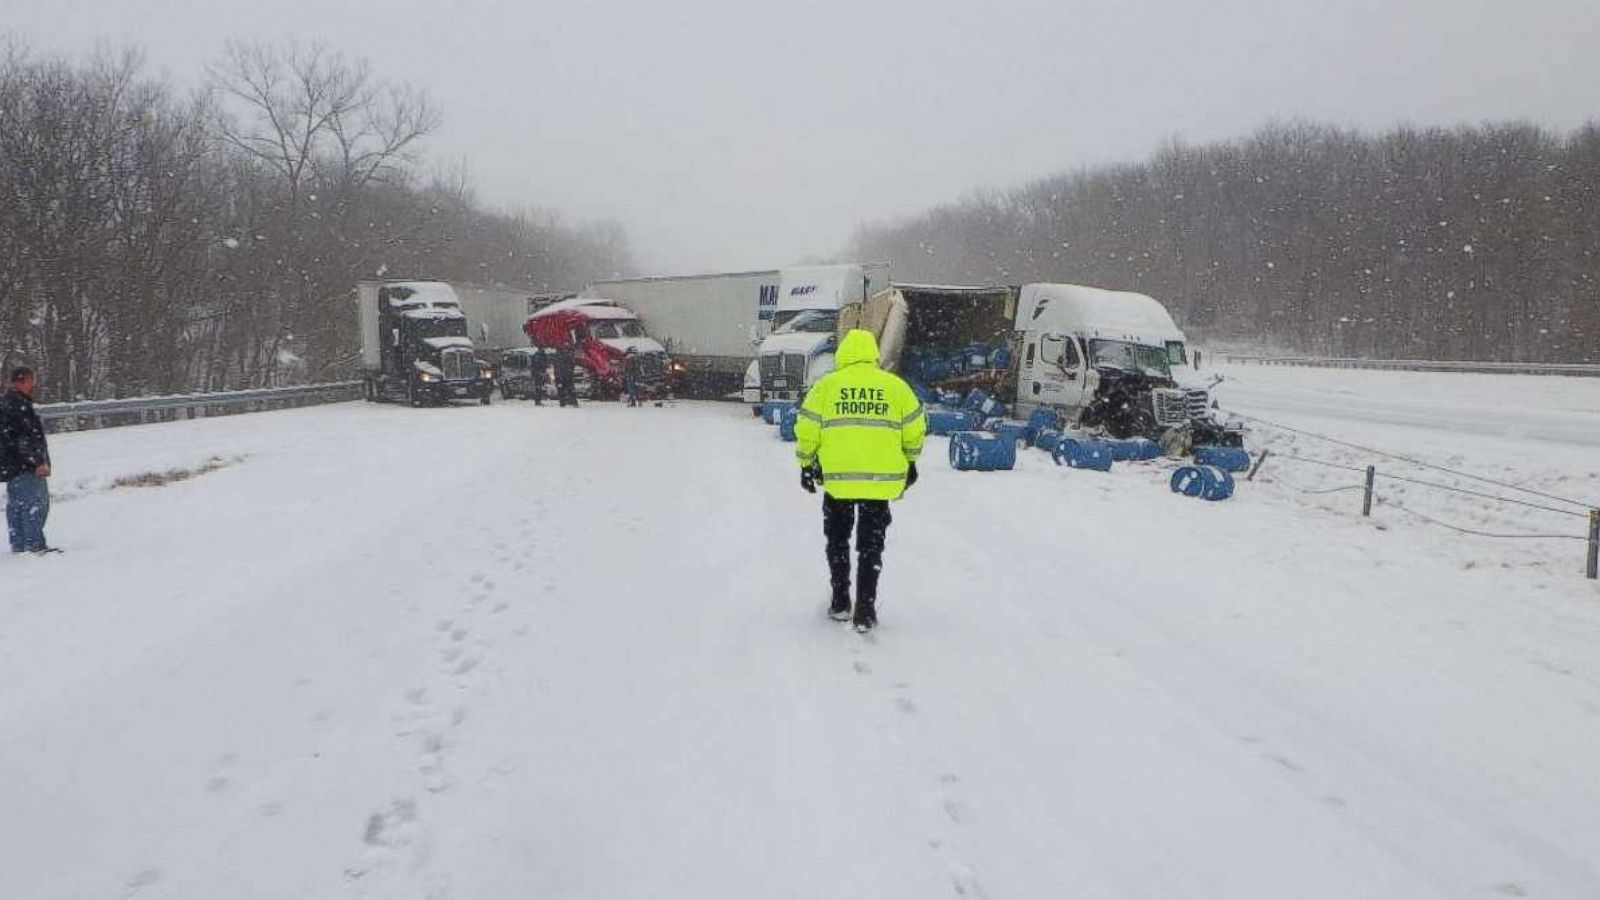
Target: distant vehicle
x=600 y=332
x=799 y=348
x=516 y=375
x=414 y=344
x=1109 y=360
x=710 y=324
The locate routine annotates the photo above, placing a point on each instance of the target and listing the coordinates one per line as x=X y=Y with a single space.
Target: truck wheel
x=369 y=392
x=412 y=399
x=484 y=399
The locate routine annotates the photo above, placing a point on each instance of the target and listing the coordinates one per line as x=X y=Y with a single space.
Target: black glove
x=911 y=475
x=808 y=479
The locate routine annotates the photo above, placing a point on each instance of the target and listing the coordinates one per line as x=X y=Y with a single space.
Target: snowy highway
x=531 y=652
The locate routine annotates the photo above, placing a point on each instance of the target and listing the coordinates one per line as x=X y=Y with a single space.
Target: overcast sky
x=742 y=134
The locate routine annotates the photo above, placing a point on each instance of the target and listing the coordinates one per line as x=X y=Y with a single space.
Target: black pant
x=566 y=386
x=872 y=527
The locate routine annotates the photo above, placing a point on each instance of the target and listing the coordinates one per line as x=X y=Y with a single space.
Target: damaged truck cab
x=1113 y=360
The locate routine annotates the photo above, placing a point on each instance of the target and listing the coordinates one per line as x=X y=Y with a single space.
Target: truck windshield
x=424 y=327
x=624 y=328
x=1132 y=357
x=808 y=321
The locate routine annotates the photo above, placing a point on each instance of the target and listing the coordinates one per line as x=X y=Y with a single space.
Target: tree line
x=157 y=240
x=1466 y=243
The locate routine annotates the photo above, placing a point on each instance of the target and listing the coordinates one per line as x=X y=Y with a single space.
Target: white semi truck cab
x=799 y=350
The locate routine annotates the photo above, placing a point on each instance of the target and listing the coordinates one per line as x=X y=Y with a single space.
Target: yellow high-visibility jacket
x=863 y=424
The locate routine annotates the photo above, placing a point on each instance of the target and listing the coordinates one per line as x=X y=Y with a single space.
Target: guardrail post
x=1366 y=500
x=1594 y=543
x=1257 y=467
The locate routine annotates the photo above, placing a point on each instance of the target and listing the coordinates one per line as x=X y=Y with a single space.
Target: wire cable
x=1416 y=462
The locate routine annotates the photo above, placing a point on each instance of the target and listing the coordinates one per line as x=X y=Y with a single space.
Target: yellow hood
x=858 y=346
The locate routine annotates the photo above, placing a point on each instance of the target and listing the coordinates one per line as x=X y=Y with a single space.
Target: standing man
x=630 y=375
x=859 y=433
x=539 y=373
x=566 y=387
x=24 y=465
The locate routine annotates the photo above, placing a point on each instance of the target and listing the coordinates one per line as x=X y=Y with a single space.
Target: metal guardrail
x=90 y=414
x=1582 y=370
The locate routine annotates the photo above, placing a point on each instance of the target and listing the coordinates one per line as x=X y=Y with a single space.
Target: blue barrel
x=1043 y=419
x=1047 y=439
x=1134 y=448
x=974 y=451
x=1228 y=459
x=1081 y=453
x=1205 y=482
x=1008 y=428
x=786 y=420
x=949 y=421
x=771 y=410
x=983 y=404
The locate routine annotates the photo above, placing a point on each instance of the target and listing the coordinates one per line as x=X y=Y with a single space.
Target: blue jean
x=27 y=506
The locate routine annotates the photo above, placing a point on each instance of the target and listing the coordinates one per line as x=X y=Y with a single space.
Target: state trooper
x=859 y=432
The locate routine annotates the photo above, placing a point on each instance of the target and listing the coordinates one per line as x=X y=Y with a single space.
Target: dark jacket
x=22 y=443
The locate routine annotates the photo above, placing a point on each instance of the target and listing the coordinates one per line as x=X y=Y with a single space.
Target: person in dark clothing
x=566 y=386
x=858 y=434
x=630 y=376
x=24 y=465
x=539 y=373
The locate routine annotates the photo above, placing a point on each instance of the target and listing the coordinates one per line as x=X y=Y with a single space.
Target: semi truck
x=1106 y=360
x=799 y=348
x=415 y=346
x=709 y=324
x=602 y=334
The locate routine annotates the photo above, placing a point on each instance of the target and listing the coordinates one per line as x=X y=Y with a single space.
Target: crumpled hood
x=858 y=346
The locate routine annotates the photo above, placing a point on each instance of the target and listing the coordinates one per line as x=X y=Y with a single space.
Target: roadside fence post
x=1594 y=542
x=1366 y=500
x=1257 y=467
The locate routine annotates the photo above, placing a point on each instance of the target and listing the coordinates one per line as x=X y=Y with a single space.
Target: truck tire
x=485 y=399
x=369 y=391
x=412 y=400
x=756 y=411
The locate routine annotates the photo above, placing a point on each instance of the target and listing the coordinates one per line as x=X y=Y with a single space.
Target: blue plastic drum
x=1228 y=459
x=772 y=410
x=1008 y=428
x=1047 y=439
x=1080 y=453
x=974 y=451
x=1134 y=448
x=786 y=420
x=1205 y=482
x=949 y=421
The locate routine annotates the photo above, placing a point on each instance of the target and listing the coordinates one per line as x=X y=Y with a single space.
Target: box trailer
x=710 y=324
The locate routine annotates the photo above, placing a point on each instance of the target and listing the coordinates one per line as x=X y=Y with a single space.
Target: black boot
x=866 y=617
x=839 y=609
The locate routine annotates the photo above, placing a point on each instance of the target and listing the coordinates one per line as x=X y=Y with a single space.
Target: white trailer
x=710 y=324
x=495 y=315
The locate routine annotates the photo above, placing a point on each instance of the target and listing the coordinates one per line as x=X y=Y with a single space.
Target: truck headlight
x=427 y=376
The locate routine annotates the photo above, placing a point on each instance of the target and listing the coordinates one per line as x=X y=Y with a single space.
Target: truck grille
x=1171 y=406
x=790 y=368
x=1199 y=404
x=458 y=363
x=652 y=366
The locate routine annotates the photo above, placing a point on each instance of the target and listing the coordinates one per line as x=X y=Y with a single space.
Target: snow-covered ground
x=519 y=652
